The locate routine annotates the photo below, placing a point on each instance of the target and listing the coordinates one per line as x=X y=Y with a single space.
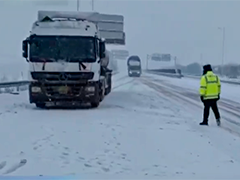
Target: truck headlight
x=90 y=89
x=36 y=89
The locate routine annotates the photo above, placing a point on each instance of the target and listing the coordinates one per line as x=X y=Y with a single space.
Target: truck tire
x=40 y=105
x=102 y=92
x=96 y=102
x=109 y=88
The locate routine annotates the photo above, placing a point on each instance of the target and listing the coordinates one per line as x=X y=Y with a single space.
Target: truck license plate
x=63 y=90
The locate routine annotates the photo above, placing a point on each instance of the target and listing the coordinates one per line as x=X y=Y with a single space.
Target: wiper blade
x=82 y=65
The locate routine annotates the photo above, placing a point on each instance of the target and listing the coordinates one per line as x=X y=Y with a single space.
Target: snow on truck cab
x=134 y=66
x=68 y=60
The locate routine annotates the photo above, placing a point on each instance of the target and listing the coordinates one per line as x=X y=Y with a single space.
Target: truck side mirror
x=25 y=48
x=102 y=49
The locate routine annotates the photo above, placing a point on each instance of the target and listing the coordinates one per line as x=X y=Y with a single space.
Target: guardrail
x=13 y=84
x=188 y=76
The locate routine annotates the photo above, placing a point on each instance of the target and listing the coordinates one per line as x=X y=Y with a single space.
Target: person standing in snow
x=210 y=89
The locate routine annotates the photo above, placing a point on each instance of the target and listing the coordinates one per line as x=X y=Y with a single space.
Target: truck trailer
x=67 y=56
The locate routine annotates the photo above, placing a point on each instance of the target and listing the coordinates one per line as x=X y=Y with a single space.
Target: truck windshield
x=62 y=48
x=134 y=63
x=156 y=58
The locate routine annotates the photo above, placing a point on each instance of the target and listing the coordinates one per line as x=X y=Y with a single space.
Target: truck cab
x=134 y=66
x=67 y=59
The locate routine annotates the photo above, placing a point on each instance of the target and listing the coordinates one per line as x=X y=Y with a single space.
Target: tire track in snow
x=14 y=167
x=122 y=84
x=121 y=78
x=167 y=95
x=175 y=93
x=223 y=104
x=3 y=164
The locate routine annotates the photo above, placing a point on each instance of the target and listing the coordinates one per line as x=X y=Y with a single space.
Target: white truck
x=68 y=60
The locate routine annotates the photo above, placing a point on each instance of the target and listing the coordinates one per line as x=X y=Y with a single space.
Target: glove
x=218 y=97
x=201 y=97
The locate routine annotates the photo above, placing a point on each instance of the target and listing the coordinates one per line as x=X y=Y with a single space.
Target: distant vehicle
x=134 y=66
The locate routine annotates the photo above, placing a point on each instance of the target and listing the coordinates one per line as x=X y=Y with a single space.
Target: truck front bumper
x=81 y=93
x=134 y=73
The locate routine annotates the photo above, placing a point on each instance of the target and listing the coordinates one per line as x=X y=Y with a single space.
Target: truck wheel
x=102 y=92
x=108 y=90
x=96 y=101
x=40 y=105
x=95 y=104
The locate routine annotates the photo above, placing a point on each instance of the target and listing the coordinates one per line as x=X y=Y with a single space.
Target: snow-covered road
x=146 y=128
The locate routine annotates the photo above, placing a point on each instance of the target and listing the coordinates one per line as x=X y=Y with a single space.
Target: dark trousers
x=210 y=104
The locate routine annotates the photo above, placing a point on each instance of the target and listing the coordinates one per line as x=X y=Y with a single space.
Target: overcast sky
x=182 y=28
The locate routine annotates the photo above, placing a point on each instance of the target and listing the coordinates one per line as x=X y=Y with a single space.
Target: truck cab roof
x=134 y=57
x=64 y=27
x=107 y=26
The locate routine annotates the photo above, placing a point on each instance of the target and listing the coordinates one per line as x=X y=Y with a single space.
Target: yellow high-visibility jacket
x=210 y=86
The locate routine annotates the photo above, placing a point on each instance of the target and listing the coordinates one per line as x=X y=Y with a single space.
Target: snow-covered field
x=146 y=128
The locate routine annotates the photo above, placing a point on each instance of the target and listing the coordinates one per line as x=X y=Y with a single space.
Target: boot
x=218 y=122
x=204 y=123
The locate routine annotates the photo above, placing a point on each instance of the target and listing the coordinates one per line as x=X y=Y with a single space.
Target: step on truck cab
x=68 y=59
x=134 y=66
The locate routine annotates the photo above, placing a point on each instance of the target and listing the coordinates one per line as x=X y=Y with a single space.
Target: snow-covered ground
x=143 y=129
x=229 y=91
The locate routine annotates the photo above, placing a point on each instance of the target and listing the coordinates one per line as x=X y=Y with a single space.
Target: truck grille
x=63 y=76
x=67 y=90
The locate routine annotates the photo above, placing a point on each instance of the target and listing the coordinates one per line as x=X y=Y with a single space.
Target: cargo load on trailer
x=67 y=56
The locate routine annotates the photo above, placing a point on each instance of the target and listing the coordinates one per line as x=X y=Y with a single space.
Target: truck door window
x=97 y=48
